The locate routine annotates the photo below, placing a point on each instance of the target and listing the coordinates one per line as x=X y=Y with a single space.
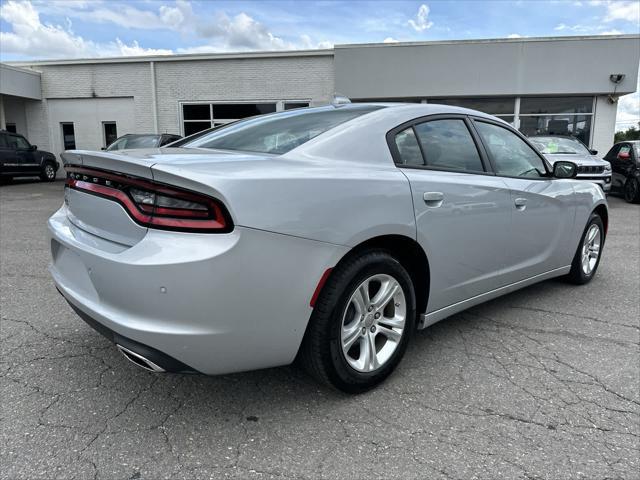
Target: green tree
x=631 y=133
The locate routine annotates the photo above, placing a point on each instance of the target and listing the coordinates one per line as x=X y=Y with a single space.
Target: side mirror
x=593 y=152
x=103 y=148
x=564 y=169
x=624 y=156
x=33 y=147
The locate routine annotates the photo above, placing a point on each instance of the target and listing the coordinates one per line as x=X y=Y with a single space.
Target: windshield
x=134 y=141
x=280 y=132
x=559 y=145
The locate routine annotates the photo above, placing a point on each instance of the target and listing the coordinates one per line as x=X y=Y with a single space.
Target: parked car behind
x=590 y=167
x=625 y=162
x=18 y=158
x=142 y=140
x=326 y=234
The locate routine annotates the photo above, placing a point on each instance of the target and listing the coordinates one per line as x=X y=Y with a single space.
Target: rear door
x=541 y=207
x=7 y=155
x=26 y=156
x=462 y=210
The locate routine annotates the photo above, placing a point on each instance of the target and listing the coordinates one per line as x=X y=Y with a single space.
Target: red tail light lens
x=153 y=204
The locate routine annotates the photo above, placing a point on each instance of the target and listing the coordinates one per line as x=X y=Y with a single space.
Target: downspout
x=154 y=99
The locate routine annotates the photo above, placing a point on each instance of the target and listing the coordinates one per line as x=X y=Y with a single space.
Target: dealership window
x=68 y=136
x=110 y=132
x=557 y=116
x=201 y=116
x=11 y=127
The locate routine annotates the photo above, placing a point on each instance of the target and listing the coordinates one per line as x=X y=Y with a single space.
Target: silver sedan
x=326 y=235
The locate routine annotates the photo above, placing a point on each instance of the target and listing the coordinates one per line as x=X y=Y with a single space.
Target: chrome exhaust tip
x=139 y=360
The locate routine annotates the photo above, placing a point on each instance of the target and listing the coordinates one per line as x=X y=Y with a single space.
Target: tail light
x=152 y=204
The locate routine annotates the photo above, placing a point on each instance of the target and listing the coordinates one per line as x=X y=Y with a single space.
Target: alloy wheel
x=591 y=249
x=373 y=323
x=49 y=172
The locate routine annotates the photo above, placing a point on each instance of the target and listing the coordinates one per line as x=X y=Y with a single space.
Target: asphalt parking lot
x=540 y=384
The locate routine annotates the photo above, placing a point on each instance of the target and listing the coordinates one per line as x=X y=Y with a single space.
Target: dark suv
x=625 y=162
x=18 y=158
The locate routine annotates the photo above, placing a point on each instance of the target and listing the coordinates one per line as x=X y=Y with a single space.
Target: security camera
x=616 y=77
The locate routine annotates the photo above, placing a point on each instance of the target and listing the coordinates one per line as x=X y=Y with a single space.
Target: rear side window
x=448 y=144
x=511 y=155
x=408 y=148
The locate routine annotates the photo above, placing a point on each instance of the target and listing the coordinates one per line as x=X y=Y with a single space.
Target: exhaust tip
x=139 y=360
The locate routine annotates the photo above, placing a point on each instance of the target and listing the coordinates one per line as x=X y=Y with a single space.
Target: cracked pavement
x=541 y=384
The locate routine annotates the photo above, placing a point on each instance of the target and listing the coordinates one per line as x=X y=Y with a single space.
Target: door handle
x=433 y=199
x=520 y=203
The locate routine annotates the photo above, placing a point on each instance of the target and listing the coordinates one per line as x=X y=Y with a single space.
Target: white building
x=566 y=85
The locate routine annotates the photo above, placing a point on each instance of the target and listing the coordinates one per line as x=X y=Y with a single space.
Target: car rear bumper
x=214 y=303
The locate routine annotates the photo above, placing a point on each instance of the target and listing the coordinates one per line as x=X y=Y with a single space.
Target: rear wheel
x=48 y=173
x=587 y=258
x=632 y=190
x=361 y=323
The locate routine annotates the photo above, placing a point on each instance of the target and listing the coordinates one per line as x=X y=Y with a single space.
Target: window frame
x=104 y=131
x=395 y=153
x=474 y=119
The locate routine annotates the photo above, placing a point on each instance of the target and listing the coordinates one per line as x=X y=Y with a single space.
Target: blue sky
x=87 y=28
x=40 y=29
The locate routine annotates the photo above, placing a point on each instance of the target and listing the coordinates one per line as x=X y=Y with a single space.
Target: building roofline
x=179 y=57
x=304 y=53
x=18 y=69
x=491 y=40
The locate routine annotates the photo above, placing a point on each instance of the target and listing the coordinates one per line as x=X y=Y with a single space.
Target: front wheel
x=587 y=258
x=48 y=173
x=632 y=190
x=361 y=323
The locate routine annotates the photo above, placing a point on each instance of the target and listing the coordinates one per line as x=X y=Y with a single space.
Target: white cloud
x=421 y=21
x=625 y=10
x=30 y=37
x=514 y=35
x=390 y=40
x=611 y=32
x=628 y=113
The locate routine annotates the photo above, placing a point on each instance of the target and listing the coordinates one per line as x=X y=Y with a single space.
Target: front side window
x=279 y=133
x=448 y=144
x=17 y=143
x=511 y=155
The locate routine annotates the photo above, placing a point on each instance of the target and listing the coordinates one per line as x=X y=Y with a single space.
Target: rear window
x=135 y=141
x=281 y=132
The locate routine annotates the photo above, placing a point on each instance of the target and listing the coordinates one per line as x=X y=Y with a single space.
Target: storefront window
x=201 y=116
x=578 y=126
x=490 y=105
x=537 y=105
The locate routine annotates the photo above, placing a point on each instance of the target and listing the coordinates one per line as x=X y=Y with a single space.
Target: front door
x=462 y=212
x=542 y=208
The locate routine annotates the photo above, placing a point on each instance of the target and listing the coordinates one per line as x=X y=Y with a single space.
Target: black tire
x=577 y=274
x=4 y=180
x=48 y=173
x=321 y=350
x=632 y=190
